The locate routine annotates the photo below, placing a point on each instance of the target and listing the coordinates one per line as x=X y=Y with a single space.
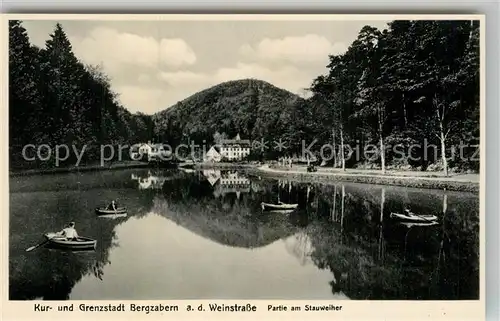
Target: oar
x=424 y=218
x=411 y=213
x=29 y=249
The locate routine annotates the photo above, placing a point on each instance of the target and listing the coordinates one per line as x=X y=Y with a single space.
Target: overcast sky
x=154 y=64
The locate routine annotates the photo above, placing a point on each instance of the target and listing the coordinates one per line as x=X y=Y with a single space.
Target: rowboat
x=278 y=207
x=104 y=211
x=410 y=217
x=81 y=243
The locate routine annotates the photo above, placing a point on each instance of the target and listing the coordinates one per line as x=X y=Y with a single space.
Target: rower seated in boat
x=69 y=232
x=113 y=206
x=408 y=212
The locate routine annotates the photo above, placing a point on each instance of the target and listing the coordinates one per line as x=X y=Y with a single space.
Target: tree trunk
x=382 y=203
x=404 y=111
x=343 y=200
x=382 y=150
x=381 y=117
x=445 y=203
x=342 y=156
x=442 y=138
x=334 y=151
x=335 y=203
x=442 y=135
x=470 y=34
x=443 y=234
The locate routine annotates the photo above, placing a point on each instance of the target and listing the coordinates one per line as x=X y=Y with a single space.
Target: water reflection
x=340 y=242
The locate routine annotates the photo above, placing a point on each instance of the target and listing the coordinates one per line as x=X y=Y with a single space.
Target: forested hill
x=252 y=108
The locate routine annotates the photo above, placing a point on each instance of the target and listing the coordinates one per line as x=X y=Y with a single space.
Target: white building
x=145 y=148
x=151 y=151
x=232 y=182
x=234 y=149
x=150 y=181
x=212 y=175
x=159 y=152
x=234 y=179
x=212 y=155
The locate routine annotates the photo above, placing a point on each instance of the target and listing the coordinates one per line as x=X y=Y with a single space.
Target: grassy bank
x=461 y=183
x=82 y=168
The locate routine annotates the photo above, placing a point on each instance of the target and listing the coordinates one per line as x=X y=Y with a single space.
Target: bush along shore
x=393 y=178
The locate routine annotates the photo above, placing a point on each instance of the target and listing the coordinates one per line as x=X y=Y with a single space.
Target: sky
x=154 y=64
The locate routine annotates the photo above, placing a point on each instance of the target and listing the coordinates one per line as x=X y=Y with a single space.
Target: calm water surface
x=201 y=235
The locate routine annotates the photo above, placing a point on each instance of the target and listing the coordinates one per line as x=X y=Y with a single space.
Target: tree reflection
x=50 y=273
x=402 y=265
x=343 y=228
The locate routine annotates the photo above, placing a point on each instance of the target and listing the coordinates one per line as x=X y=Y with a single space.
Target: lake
x=203 y=235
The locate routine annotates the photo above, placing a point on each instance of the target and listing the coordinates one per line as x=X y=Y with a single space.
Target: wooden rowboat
x=410 y=217
x=81 y=243
x=104 y=211
x=278 y=207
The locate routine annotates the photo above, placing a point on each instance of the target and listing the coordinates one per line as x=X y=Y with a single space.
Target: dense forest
x=413 y=84
x=411 y=91
x=56 y=99
x=253 y=108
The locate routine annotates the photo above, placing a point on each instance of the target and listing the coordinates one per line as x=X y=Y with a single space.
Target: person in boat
x=113 y=206
x=69 y=232
x=408 y=212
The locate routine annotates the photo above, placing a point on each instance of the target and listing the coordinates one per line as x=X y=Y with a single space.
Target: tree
x=371 y=92
x=441 y=81
x=24 y=94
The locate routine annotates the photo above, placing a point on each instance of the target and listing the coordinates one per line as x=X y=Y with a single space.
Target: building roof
x=235 y=142
x=215 y=147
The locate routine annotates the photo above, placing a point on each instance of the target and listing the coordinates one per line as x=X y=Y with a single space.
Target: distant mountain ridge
x=249 y=107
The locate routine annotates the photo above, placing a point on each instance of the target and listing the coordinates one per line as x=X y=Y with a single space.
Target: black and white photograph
x=245 y=159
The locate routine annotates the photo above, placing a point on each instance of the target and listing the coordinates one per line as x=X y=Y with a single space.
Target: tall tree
x=24 y=94
x=371 y=92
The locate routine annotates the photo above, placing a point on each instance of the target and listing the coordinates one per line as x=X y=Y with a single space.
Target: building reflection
x=151 y=179
x=230 y=183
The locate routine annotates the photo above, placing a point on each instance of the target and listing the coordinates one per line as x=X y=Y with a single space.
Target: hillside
x=253 y=108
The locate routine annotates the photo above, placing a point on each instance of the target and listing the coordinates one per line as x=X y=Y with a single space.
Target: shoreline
x=425 y=180
x=201 y=166
x=85 y=168
x=357 y=176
